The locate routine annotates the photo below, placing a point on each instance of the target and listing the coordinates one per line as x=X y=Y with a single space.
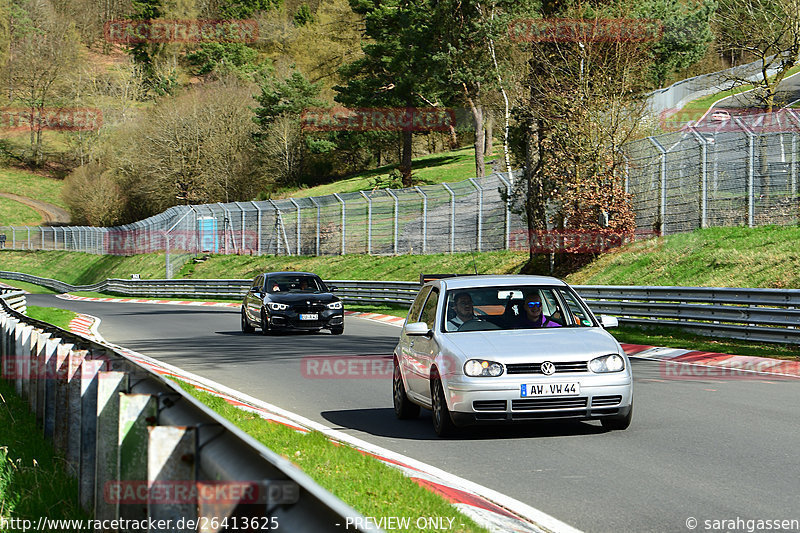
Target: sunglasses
x=534 y=305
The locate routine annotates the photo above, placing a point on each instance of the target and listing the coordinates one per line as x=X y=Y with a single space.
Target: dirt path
x=52 y=214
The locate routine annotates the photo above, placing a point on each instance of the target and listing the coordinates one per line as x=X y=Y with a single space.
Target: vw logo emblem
x=548 y=368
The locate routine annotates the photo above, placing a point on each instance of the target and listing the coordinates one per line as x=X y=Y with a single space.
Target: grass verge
x=33 y=483
x=31 y=185
x=52 y=315
x=361 y=481
x=442 y=167
x=13 y=213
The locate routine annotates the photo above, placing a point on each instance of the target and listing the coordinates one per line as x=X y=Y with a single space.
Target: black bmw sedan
x=291 y=301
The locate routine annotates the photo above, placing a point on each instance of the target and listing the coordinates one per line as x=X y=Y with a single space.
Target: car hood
x=289 y=297
x=554 y=344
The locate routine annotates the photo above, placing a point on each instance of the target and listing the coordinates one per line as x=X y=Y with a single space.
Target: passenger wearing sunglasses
x=532 y=316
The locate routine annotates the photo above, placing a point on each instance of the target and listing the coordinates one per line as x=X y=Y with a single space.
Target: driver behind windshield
x=464 y=311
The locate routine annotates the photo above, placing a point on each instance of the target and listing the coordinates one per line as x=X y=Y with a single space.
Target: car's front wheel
x=337 y=331
x=442 y=422
x=403 y=407
x=246 y=327
x=618 y=423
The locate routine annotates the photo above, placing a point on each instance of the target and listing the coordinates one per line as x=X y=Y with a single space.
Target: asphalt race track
x=711 y=449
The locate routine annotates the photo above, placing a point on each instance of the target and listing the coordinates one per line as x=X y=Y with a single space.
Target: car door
x=423 y=351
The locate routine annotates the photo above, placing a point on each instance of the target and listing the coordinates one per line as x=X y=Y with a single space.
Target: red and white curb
x=491 y=509
x=719 y=364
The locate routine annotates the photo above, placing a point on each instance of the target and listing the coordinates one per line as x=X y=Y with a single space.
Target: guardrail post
x=703 y=177
x=136 y=412
x=297 y=207
x=313 y=201
x=396 y=209
x=452 y=217
x=22 y=336
x=74 y=412
x=55 y=370
x=258 y=223
x=164 y=445
x=67 y=363
x=44 y=365
x=88 y=376
x=662 y=208
x=26 y=361
x=369 y=221
x=479 y=189
x=424 y=219
x=344 y=220
x=751 y=169
x=109 y=387
x=508 y=211
x=37 y=355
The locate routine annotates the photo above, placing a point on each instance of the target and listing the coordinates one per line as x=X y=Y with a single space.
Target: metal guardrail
x=770 y=315
x=143 y=449
x=15 y=299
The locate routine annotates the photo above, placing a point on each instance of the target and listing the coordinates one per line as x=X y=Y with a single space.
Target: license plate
x=550 y=389
x=309 y=316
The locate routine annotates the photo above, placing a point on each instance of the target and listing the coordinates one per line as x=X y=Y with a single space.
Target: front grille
x=536 y=368
x=489 y=405
x=540 y=404
x=599 y=401
x=306 y=308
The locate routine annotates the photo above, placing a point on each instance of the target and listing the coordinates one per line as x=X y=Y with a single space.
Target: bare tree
x=44 y=54
x=767 y=31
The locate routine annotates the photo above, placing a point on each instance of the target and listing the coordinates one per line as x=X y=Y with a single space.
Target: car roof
x=289 y=273
x=464 y=282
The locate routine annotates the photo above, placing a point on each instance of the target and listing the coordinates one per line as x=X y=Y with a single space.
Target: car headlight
x=480 y=368
x=278 y=307
x=334 y=305
x=607 y=363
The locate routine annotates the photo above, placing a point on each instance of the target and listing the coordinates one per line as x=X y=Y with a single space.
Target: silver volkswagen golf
x=492 y=349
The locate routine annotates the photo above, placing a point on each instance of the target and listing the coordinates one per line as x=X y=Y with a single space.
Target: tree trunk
x=480 y=137
x=489 y=119
x=453 y=137
x=405 y=160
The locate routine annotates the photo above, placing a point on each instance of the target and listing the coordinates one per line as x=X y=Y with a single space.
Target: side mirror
x=608 y=321
x=418 y=329
x=333 y=288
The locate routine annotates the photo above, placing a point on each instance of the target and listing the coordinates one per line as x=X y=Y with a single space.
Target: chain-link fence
x=724 y=171
x=721 y=172
x=471 y=215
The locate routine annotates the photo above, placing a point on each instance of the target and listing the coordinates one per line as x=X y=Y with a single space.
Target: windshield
x=520 y=307
x=295 y=283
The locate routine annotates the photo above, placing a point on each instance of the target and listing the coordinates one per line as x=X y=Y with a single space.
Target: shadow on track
x=382 y=422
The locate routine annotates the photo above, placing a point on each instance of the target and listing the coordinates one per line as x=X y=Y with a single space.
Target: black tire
x=265 y=329
x=618 y=423
x=337 y=331
x=403 y=407
x=246 y=327
x=442 y=422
